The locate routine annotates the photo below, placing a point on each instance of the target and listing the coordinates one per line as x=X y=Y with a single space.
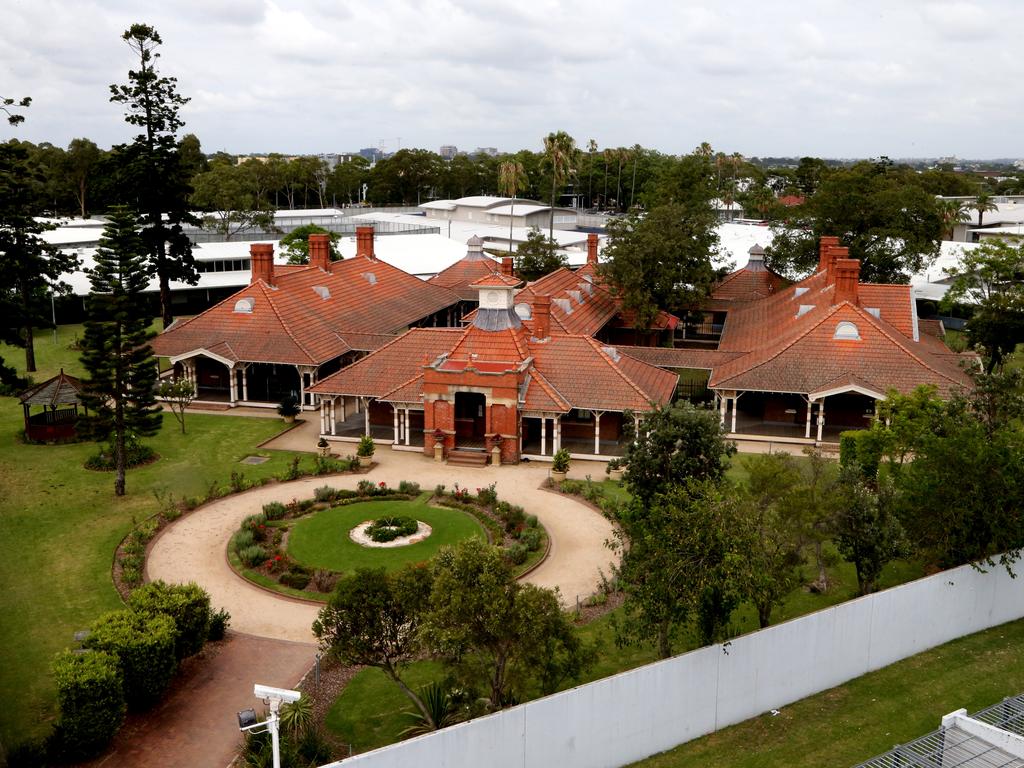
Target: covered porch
x=349 y=417
x=585 y=434
x=813 y=418
x=218 y=379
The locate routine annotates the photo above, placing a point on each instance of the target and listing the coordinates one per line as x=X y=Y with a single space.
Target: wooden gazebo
x=60 y=398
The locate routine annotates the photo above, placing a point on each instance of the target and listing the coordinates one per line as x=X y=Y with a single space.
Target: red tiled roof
x=307 y=317
x=464 y=273
x=667 y=357
x=499 y=280
x=748 y=285
x=392 y=366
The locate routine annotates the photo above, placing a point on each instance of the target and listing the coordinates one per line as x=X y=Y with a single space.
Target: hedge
x=90 y=695
x=187 y=604
x=144 y=646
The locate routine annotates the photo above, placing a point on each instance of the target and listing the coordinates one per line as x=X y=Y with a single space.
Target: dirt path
x=194 y=547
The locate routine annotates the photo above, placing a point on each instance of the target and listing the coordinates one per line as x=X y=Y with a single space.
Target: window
x=245 y=305
x=847 y=331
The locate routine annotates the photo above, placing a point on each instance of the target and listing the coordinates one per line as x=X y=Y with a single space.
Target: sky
x=829 y=78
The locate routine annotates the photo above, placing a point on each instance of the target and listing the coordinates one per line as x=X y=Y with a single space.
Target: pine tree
x=120 y=390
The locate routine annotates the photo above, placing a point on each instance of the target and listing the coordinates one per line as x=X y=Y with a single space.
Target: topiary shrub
x=90 y=697
x=391 y=528
x=252 y=556
x=143 y=644
x=187 y=604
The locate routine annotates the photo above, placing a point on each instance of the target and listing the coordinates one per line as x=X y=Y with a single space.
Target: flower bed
x=391 y=528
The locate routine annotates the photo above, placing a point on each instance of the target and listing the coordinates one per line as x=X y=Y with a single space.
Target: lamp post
x=272 y=697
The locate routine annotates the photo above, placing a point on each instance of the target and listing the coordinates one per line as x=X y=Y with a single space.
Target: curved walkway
x=194 y=547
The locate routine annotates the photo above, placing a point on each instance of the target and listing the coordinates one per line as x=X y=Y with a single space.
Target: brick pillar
x=592 y=249
x=364 y=242
x=320 y=251
x=261 y=256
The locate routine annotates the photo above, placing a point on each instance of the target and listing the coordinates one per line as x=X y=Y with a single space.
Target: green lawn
x=852 y=723
x=370 y=712
x=322 y=540
x=60 y=523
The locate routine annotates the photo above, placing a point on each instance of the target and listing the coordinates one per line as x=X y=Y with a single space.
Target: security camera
x=281 y=694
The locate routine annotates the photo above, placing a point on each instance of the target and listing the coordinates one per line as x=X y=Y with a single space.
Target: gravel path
x=194 y=547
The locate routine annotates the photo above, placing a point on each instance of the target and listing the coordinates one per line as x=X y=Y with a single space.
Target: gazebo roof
x=62 y=389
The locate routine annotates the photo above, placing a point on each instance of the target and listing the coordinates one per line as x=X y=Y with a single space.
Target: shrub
x=34 y=753
x=439 y=490
x=144 y=646
x=293 y=472
x=391 y=528
x=517 y=553
x=487 y=496
x=238 y=482
x=135 y=454
x=560 y=461
x=220 y=620
x=243 y=540
x=131 y=575
x=187 y=604
x=616 y=463
x=325 y=493
x=530 y=538
x=409 y=488
x=252 y=556
x=294 y=579
x=366 y=446
x=253 y=522
x=273 y=510
x=324 y=465
x=289 y=407
x=513 y=516
x=531 y=521
x=366 y=488
x=324 y=580
x=90 y=696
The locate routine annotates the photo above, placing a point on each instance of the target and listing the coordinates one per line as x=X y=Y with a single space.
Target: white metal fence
x=627 y=717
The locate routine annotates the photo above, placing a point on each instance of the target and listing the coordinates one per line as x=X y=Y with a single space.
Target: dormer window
x=524 y=311
x=804 y=309
x=322 y=291
x=846 y=331
x=798 y=292
x=245 y=305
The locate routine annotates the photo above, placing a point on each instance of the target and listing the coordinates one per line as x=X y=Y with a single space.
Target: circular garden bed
x=302 y=548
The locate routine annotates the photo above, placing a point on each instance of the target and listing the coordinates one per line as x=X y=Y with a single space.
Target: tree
x=662 y=259
x=81 y=160
x=560 y=155
x=152 y=164
x=984 y=203
x=676 y=443
x=591 y=149
x=511 y=178
x=179 y=394
x=814 y=506
x=867 y=530
x=122 y=372
x=373 y=619
x=684 y=565
x=877 y=209
x=296 y=243
x=991 y=279
x=488 y=626
x=953 y=212
x=32 y=268
x=538 y=256
x=10 y=106
x=771 y=510
x=228 y=193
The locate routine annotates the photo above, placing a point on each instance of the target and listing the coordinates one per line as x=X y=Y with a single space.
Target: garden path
x=194 y=547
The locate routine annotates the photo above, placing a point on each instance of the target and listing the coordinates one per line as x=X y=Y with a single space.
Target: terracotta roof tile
x=464 y=273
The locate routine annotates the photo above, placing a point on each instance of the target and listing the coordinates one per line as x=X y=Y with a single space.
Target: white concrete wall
x=627 y=717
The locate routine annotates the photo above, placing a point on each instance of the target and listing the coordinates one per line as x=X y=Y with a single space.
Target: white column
x=333 y=421
x=344 y=416
x=245 y=381
x=558 y=432
x=408 y=432
x=543 y=435
x=232 y=385
x=735 y=399
x=597 y=433
x=366 y=415
x=324 y=408
x=721 y=408
x=807 y=428
x=821 y=417
x=398 y=436
x=302 y=387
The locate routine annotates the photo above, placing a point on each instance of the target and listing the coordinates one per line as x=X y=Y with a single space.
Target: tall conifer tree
x=120 y=390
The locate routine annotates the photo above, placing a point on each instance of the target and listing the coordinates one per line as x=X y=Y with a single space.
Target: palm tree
x=608 y=155
x=591 y=149
x=637 y=150
x=560 y=150
x=953 y=212
x=621 y=153
x=511 y=178
x=983 y=203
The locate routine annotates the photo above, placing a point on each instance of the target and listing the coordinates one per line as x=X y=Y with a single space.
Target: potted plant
x=289 y=409
x=322 y=448
x=615 y=469
x=365 y=450
x=560 y=465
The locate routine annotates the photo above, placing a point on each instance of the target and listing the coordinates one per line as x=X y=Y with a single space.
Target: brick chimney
x=592 y=249
x=835 y=253
x=541 y=317
x=847 y=272
x=826 y=243
x=261 y=256
x=508 y=266
x=320 y=251
x=364 y=242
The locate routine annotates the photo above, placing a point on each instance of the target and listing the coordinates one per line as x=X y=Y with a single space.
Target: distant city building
x=334 y=159
x=448 y=151
x=373 y=154
x=489 y=151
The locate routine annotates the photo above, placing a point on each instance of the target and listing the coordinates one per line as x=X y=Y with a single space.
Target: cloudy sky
x=835 y=78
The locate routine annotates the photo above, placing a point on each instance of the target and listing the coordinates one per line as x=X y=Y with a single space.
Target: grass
x=370 y=712
x=60 y=523
x=321 y=540
x=867 y=716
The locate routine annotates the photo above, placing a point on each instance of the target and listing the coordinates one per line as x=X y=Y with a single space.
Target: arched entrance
x=470 y=420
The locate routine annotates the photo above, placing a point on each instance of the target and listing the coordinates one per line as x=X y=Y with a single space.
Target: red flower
x=277 y=557
x=383 y=484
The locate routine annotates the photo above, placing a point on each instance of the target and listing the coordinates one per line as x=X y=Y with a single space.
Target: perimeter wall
x=624 y=718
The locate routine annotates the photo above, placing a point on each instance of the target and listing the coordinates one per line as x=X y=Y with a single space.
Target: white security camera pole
x=273 y=697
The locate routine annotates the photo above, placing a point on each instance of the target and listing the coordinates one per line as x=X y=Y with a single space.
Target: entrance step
x=200 y=405
x=467 y=458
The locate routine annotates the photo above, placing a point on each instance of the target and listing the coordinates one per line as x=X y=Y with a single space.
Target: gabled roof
x=751 y=283
x=62 y=389
x=464 y=273
x=497 y=280
x=305 y=318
